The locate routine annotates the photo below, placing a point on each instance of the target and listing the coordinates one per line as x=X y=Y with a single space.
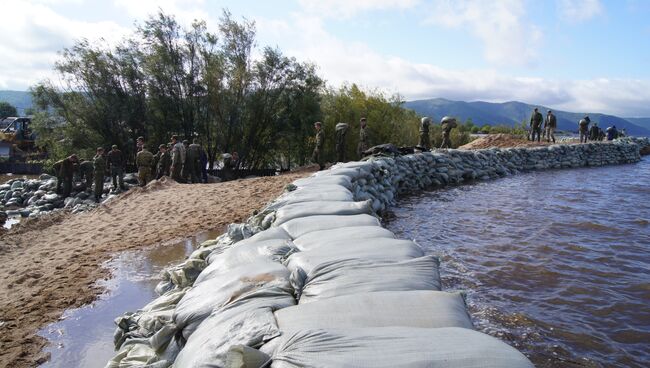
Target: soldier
x=364 y=139
x=66 y=172
x=178 y=158
x=583 y=128
x=99 y=168
x=549 y=126
x=164 y=162
x=86 y=172
x=59 y=180
x=185 y=172
x=536 y=120
x=594 y=132
x=204 y=166
x=193 y=162
x=425 y=141
x=612 y=133
x=144 y=161
x=316 y=156
x=139 y=144
x=447 y=123
x=341 y=130
x=115 y=161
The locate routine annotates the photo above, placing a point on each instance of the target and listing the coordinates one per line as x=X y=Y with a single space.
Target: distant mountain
x=21 y=100
x=513 y=112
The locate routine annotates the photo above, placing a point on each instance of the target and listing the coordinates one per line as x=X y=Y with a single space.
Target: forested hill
x=513 y=112
x=21 y=100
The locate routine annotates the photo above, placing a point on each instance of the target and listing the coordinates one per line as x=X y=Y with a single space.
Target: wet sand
x=52 y=263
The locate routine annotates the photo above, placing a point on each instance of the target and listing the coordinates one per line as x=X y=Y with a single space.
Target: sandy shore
x=51 y=264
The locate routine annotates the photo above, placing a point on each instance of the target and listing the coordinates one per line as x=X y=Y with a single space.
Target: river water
x=555 y=263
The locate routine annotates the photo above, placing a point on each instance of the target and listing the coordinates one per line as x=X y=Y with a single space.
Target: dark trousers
x=536 y=131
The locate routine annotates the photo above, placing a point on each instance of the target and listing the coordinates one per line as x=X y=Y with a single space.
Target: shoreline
x=53 y=263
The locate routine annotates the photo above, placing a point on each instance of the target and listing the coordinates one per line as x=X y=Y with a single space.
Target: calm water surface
x=556 y=263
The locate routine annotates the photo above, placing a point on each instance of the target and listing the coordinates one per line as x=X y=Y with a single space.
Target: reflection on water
x=556 y=263
x=84 y=337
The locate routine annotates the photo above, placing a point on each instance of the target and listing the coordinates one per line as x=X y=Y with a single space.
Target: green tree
x=7 y=109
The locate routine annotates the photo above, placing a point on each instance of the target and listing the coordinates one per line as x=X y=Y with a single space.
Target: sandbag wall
x=313 y=279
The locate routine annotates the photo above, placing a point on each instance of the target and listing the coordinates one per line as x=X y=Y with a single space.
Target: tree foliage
x=7 y=109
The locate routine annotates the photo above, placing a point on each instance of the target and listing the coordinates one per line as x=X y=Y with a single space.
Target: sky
x=576 y=55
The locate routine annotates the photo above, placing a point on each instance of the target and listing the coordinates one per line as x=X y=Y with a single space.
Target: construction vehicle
x=18 y=151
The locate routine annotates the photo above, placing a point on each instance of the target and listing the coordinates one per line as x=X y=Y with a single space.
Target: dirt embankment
x=501 y=141
x=51 y=264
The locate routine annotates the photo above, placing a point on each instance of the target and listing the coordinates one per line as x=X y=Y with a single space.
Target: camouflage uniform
x=316 y=156
x=116 y=161
x=341 y=132
x=99 y=167
x=536 y=120
x=164 y=163
x=364 y=141
x=584 y=129
x=66 y=173
x=447 y=124
x=550 y=124
x=193 y=162
x=178 y=158
x=57 y=171
x=425 y=141
x=86 y=172
x=144 y=161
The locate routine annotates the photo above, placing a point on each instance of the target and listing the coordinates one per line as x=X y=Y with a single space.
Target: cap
x=114 y=146
x=425 y=119
x=447 y=119
x=162 y=146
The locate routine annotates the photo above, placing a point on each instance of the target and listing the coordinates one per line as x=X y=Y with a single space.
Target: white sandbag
x=249 y=322
x=324 y=180
x=379 y=249
x=274 y=249
x=424 y=309
x=319 y=238
x=306 y=209
x=260 y=277
x=353 y=276
x=307 y=195
x=449 y=347
x=268 y=234
x=301 y=226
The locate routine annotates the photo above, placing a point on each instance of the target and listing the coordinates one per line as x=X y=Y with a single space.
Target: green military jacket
x=320 y=139
x=144 y=159
x=536 y=119
x=99 y=165
x=164 y=164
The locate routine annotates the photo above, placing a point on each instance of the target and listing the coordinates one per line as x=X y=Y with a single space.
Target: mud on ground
x=51 y=263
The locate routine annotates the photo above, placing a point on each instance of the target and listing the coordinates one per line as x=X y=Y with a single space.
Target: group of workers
x=447 y=124
x=593 y=133
x=182 y=161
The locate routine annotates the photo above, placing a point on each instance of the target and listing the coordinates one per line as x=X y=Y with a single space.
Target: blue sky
x=579 y=55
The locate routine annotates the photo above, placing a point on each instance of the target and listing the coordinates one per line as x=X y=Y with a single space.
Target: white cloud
x=579 y=10
x=30 y=41
x=349 y=8
x=508 y=38
x=185 y=11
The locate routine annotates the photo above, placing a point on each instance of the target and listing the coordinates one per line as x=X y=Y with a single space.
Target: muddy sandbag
x=448 y=347
x=248 y=322
x=324 y=180
x=307 y=209
x=268 y=234
x=261 y=277
x=147 y=320
x=424 y=309
x=345 y=234
x=180 y=276
x=139 y=354
x=352 y=276
x=379 y=249
x=301 y=226
x=274 y=249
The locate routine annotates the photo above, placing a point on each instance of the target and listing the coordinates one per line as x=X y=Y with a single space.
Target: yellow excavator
x=16 y=138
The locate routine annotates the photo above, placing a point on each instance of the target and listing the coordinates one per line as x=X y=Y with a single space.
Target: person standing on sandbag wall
x=341 y=131
x=144 y=160
x=364 y=138
x=178 y=157
x=319 y=141
x=86 y=173
x=66 y=173
x=425 y=140
x=194 y=161
x=57 y=171
x=549 y=126
x=447 y=123
x=99 y=168
x=583 y=129
x=536 y=120
x=116 y=163
x=164 y=162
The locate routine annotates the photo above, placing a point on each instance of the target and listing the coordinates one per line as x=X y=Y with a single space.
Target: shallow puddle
x=84 y=336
